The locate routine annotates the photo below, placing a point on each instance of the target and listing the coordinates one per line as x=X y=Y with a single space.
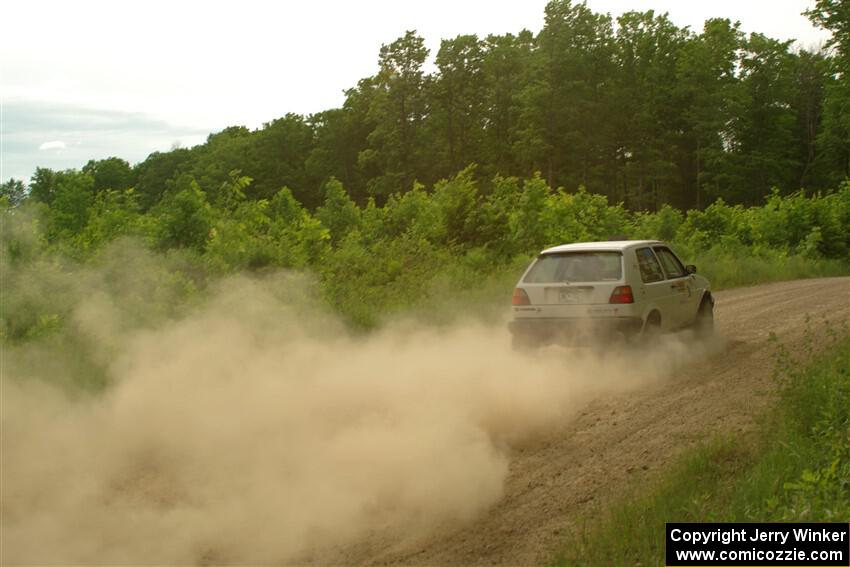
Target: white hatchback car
x=624 y=289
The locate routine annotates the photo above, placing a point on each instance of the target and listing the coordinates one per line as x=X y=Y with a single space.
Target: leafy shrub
x=374 y=261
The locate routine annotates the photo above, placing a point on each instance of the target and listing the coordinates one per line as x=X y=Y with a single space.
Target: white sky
x=113 y=78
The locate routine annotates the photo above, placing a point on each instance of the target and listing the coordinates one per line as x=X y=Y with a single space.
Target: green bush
x=374 y=262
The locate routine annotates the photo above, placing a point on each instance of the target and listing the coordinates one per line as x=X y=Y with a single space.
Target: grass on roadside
x=796 y=467
x=457 y=290
x=727 y=269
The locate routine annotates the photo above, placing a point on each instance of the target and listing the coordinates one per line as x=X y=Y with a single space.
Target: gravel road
x=620 y=442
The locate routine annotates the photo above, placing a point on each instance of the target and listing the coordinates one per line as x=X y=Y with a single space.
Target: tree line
x=638 y=109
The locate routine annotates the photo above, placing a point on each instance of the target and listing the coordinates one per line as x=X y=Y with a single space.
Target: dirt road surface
x=620 y=442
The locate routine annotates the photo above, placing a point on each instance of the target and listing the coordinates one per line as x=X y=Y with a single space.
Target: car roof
x=618 y=245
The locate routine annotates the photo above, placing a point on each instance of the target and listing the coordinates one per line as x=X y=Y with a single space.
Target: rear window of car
x=576 y=267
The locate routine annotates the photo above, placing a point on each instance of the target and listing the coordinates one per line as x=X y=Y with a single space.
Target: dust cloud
x=256 y=430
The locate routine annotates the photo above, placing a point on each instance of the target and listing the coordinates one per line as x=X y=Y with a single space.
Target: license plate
x=570 y=295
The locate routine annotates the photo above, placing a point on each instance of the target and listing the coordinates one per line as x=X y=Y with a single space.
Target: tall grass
x=795 y=467
x=460 y=287
x=727 y=267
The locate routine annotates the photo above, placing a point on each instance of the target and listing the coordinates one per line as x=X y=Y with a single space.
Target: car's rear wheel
x=652 y=328
x=704 y=324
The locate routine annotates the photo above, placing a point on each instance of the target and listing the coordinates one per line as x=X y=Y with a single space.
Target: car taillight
x=520 y=297
x=622 y=294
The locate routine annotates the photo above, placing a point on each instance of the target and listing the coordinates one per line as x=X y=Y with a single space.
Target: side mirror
x=691 y=269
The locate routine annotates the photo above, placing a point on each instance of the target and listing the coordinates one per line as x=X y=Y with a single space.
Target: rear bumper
x=574 y=330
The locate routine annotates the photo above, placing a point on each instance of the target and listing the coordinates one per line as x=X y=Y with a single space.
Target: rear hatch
x=569 y=284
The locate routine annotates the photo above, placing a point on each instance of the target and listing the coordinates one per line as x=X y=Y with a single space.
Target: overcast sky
x=86 y=79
